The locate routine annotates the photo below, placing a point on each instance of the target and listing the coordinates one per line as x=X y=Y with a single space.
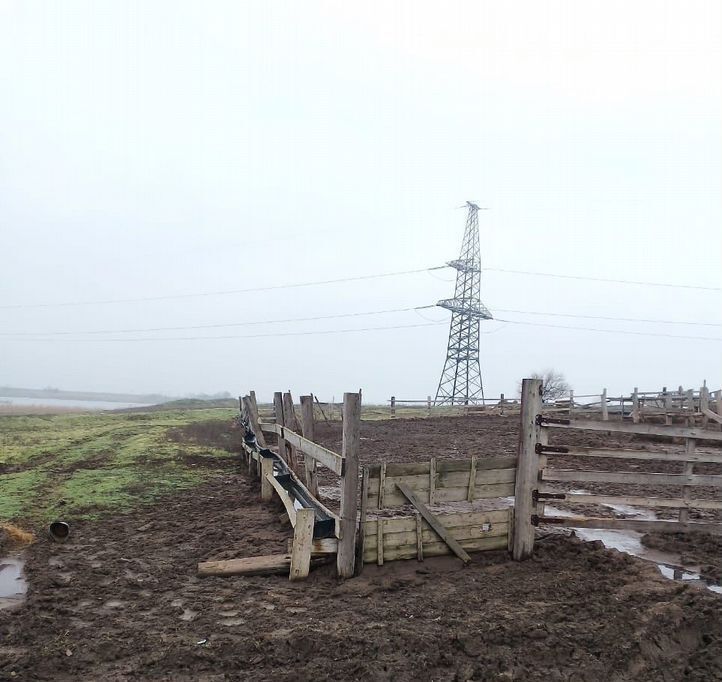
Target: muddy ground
x=121 y=600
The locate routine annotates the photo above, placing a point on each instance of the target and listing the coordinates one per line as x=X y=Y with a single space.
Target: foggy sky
x=162 y=148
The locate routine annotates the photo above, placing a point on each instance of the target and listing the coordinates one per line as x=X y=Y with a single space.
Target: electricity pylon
x=460 y=382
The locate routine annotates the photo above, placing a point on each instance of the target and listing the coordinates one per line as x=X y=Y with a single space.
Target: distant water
x=82 y=404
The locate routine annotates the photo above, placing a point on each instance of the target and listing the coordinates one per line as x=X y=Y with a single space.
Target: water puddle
x=13 y=585
x=630 y=542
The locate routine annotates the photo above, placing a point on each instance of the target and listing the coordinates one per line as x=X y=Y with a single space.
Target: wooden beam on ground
x=302 y=542
x=257 y=565
x=434 y=522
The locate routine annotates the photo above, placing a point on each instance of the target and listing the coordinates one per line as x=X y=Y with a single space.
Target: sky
x=166 y=148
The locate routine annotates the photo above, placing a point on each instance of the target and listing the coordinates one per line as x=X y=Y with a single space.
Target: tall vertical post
x=393 y=406
x=667 y=406
x=309 y=427
x=291 y=422
x=635 y=406
x=527 y=470
x=605 y=409
x=278 y=410
x=251 y=409
x=719 y=402
x=345 y=557
x=428 y=405
x=571 y=404
x=704 y=403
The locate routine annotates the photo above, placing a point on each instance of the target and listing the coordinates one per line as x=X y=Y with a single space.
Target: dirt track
x=122 y=601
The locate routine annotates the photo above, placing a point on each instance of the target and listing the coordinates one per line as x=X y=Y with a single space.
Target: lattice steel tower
x=460 y=382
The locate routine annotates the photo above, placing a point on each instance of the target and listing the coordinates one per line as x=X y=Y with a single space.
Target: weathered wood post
x=635 y=406
x=308 y=427
x=571 y=403
x=719 y=402
x=690 y=444
x=393 y=406
x=704 y=403
x=290 y=422
x=302 y=543
x=251 y=408
x=527 y=470
x=266 y=471
x=428 y=405
x=345 y=557
x=605 y=409
x=667 y=405
x=278 y=412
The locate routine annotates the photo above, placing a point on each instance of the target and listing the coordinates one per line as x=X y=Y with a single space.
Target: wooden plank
x=380 y=542
x=456 y=479
x=395 y=499
x=472 y=480
x=278 y=414
x=346 y=556
x=451 y=521
x=434 y=522
x=285 y=498
x=302 y=540
x=447 y=465
x=641 y=429
x=266 y=473
x=437 y=549
x=321 y=454
x=632 y=524
x=257 y=565
x=419 y=535
x=251 y=411
x=603 y=403
x=634 y=500
x=527 y=471
x=680 y=456
x=712 y=415
x=319 y=546
x=429 y=536
x=290 y=422
x=632 y=477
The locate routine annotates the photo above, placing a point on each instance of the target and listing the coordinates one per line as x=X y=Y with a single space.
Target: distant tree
x=554 y=385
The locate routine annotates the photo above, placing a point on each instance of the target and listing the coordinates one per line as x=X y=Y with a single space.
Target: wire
x=214 y=326
x=250 y=336
x=602 y=279
x=600 y=317
x=218 y=293
x=610 y=331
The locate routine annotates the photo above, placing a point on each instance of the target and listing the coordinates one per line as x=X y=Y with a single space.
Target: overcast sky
x=161 y=148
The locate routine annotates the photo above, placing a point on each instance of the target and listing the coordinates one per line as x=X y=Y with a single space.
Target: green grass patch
x=86 y=465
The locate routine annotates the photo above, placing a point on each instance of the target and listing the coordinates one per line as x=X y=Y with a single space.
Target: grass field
x=84 y=465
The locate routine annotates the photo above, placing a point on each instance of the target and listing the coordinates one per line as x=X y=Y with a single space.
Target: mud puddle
x=630 y=542
x=13 y=585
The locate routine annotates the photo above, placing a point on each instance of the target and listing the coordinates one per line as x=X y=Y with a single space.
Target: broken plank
x=257 y=565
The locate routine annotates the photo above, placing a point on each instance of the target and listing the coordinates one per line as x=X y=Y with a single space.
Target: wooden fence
x=390 y=486
x=691 y=407
x=318 y=532
x=535 y=481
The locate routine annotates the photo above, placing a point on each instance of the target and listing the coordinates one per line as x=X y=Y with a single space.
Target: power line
x=601 y=317
x=217 y=326
x=610 y=331
x=603 y=279
x=224 y=292
x=248 y=336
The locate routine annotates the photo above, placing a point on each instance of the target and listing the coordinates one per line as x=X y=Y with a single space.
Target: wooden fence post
x=527 y=470
x=251 y=410
x=719 y=402
x=393 y=406
x=667 y=406
x=345 y=557
x=605 y=410
x=635 y=406
x=290 y=421
x=266 y=487
x=428 y=405
x=308 y=428
x=302 y=543
x=278 y=411
x=571 y=403
x=704 y=403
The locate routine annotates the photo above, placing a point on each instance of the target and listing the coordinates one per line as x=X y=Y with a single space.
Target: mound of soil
x=121 y=601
